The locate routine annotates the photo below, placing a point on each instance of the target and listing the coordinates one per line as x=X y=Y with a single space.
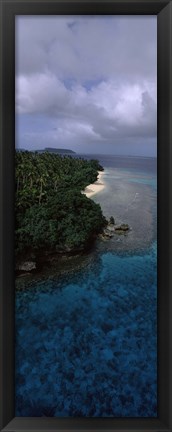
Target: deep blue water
x=86 y=342
x=135 y=163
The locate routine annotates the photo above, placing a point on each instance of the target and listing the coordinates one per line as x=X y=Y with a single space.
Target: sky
x=87 y=83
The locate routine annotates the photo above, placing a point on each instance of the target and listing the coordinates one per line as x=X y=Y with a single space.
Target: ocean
x=86 y=341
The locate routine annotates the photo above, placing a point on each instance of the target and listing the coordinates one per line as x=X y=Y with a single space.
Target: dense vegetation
x=51 y=212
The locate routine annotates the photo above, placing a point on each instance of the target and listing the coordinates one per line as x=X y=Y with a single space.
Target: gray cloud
x=95 y=77
x=94 y=47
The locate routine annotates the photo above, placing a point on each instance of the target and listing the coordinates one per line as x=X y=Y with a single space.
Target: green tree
x=51 y=211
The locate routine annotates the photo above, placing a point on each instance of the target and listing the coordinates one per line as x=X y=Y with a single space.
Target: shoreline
x=95 y=187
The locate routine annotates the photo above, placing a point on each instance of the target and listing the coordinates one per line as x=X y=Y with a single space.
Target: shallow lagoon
x=86 y=341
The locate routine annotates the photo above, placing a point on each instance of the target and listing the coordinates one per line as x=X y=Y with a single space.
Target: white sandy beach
x=96 y=187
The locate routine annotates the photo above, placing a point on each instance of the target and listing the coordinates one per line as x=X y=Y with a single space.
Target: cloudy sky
x=87 y=83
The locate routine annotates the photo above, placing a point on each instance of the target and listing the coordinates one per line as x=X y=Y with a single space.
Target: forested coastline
x=52 y=215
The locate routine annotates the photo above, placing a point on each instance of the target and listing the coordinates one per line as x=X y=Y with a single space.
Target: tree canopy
x=51 y=212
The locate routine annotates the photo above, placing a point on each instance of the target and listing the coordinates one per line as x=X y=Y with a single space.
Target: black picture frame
x=163 y=10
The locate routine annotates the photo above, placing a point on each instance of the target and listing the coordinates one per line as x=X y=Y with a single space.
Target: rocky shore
x=33 y=263
x=114 y=229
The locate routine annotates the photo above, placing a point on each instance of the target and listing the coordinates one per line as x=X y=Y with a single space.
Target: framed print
x=85 y=215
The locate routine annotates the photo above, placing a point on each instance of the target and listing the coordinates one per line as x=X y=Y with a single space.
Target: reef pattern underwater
x=86 y=345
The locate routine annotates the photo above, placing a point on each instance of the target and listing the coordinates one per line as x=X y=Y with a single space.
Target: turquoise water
x=86 y=342
x=150 y=182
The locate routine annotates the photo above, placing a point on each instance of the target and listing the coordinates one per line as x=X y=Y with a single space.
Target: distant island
x=61 y=151
x=51 y=150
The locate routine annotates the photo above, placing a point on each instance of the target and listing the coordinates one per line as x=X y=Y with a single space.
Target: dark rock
x=112 y=220
x=122 y=229
x=102 y=237
x=107 y=233
x=27 y=266
x=111 y=228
